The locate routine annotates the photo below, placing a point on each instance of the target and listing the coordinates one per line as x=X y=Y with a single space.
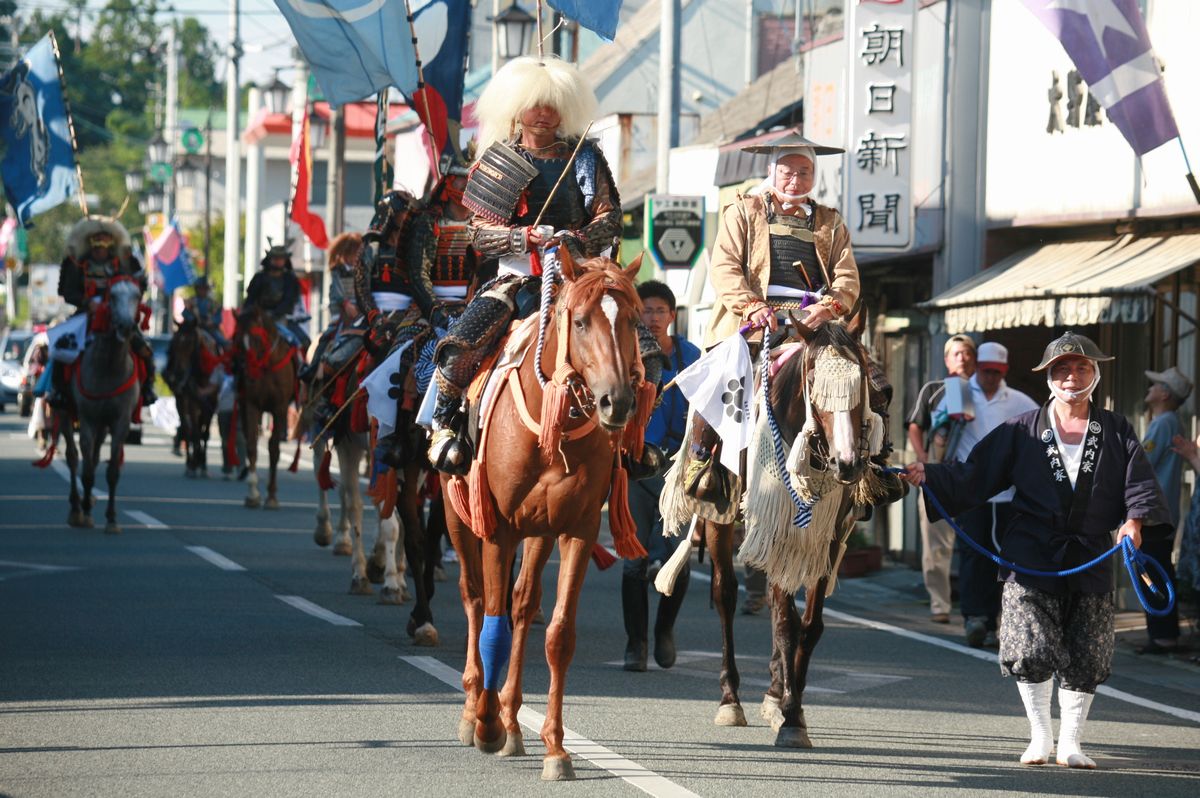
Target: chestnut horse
x=819 y=400
x=268 y=385
x=540 y=491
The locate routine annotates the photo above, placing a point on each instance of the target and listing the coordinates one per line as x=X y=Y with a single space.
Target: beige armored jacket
x=741 y=262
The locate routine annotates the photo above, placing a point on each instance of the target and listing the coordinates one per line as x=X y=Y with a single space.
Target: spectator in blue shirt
x=665 y=430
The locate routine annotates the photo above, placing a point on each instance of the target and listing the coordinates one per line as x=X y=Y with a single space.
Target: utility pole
x=749 y=42
x=171 y=120
x=254 y=181
x=207 y=191
x=668 y=90
x=233 y=165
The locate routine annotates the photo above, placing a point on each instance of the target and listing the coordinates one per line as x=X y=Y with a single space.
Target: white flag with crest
x=383 y=387
x=719 y=386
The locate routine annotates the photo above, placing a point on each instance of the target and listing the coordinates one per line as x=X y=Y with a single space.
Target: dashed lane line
x=317 y=611
x=60 y=468
x=644 y=779
x=217 y=559
x=986 y=656
x=145 y=518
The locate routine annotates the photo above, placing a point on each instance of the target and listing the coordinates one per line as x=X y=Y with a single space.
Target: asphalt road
x=133 y=665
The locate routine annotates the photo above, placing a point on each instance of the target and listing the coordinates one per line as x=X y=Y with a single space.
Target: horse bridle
x=863 y=443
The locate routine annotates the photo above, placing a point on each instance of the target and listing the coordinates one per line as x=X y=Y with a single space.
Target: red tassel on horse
x=620 y=520
x=603 y=558
x=483 y=513
x=48 y=457
x=556 y=405
x=634 y=438
x=325 y=480
x=295 y=466
x=460 y=498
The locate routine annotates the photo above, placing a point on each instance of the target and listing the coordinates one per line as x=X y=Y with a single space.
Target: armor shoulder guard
x=496 y=182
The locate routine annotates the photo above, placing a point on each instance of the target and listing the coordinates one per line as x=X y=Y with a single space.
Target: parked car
x=12 y=355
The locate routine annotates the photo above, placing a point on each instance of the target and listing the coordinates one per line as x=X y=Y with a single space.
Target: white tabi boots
x=1036 y=698
x=1073 y=711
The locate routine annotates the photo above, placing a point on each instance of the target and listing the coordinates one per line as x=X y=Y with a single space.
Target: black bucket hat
x=1071 y=344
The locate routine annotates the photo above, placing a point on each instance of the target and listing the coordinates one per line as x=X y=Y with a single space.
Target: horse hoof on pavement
x=252 y=503
x=271 y=503
x=730 y=715
x=770 y=706
x=466 y=731
x=405 y=596
x=426 y=635
x=489 y=746
x=76 y=518
x=112 y=528
x=513 y=746
x=323 y=534
x=558 y=769
x=342 y=548
x=360 y=587
x=389 y=595
x=792 y=737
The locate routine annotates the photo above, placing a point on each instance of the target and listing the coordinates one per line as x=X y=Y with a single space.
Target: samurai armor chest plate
x=497 y=180
x=793 y=255
x=452 y=266
x=388 y=275
x=564 y=210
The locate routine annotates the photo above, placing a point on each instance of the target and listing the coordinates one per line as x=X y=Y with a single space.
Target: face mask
x=1072 y=396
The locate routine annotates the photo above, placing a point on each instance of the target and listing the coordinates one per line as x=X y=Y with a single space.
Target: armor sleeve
x=254 y=289
x=603 y=228
x=70 y=282
x=419 y=256
x=291 y=295
x=362 y=279
x=495 y=240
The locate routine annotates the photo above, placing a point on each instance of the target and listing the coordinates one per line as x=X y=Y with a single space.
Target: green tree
x=198 y=84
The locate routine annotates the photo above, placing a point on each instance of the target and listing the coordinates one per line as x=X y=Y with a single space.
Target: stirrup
x=653 y=462
x=451 y=453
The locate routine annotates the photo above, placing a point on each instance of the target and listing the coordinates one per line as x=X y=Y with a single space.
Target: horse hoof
x=513 y=746
x=88 y=523
x=558 y=769
x=466 y=731
x=323 y=534
x=489 y=746
x=426 y=635
x=375 y=572
x=342 y=548
x=271 y=504
x=730 y=715
x=77 y=519
x=405 y=595
x=252 y=503
x=792 y=737
x=770 y=706
x=112 y=528
x=360 y=587
x=390 y=595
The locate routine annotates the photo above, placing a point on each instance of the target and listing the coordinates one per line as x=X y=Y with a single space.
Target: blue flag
x=39 y=161
x=355 y=48
x=171 y=260
x=598 y=15
x=442 y=28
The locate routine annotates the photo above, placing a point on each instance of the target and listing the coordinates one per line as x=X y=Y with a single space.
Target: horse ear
x=803 y=332
x=566 y=264
x=635 y=266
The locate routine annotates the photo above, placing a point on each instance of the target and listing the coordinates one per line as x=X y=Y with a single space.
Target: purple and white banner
x=1108 y=41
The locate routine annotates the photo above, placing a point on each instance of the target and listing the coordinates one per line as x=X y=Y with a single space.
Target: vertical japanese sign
x=878 y=201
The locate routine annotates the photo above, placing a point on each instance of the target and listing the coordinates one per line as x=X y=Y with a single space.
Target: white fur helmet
x=525 y=83
x=79 y=239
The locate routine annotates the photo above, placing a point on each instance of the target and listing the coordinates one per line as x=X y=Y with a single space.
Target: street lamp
x=515 y=25
x=134 y=182
x=157 y=149
x=276 y=95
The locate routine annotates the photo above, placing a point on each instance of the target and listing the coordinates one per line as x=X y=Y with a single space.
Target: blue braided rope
x=803 y=515
x=549 y=277
x=1135 y=561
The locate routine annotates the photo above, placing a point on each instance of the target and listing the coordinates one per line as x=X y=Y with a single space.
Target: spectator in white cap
x=1168 y=390
x=978 y=584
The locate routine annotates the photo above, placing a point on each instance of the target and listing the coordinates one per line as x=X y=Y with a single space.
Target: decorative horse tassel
x=295 y=466
x=620 y=520
x=48 y=457
x=556 y=404
x=634 y=438
x=603 y=558
x=325 y=480
x=483 y=514
x=460 y=498
x=665 y=581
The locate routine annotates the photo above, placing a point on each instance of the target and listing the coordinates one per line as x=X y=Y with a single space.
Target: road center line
x=317 y=611
x=986 y=656
x=219 y=560
x=645 y=780
x=145 y=518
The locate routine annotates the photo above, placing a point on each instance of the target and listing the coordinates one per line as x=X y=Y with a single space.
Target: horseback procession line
x=495 y=371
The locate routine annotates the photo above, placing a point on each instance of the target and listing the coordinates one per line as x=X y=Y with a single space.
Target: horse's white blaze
x=843 y=436
x=611 y=309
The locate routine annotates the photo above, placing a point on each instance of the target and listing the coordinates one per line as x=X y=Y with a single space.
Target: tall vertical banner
x=880 y=37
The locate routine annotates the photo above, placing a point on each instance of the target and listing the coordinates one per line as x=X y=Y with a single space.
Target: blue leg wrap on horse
x=495 y=644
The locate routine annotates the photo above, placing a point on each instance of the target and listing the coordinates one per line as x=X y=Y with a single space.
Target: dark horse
x=822 y=391
x=190 y=362
x=268 y=385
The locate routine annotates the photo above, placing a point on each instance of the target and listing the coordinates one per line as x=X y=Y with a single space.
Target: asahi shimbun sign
x=878 y=198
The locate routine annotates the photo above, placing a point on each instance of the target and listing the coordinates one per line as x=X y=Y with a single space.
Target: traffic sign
x=160 y=172
x=674 y=229
x=192 y=140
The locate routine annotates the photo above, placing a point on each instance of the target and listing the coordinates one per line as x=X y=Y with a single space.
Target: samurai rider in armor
x=346 y=321
x=384 y=288
x=531 y=116
x=99 y=249
x=204 y=311
x=276 y=289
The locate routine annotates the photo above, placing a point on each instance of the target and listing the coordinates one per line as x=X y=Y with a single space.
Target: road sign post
x=674 y=232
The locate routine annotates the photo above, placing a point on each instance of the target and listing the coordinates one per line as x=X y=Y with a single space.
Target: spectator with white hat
x=1168 y=390
x=995 y=403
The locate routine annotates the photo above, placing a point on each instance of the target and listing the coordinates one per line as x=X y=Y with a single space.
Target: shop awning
x=1065 y=284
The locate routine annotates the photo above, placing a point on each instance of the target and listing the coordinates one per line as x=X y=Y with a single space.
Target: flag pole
x=541 y=54
x=62 y=86
x=1191 y=178
x=435 y=156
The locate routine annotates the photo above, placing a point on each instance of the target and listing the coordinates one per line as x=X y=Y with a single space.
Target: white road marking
x=31 y=568
x=317 y=611
x=60 y=468
x=644 y=779
x=219 y=560
x=145 y=518
x=986 y=656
